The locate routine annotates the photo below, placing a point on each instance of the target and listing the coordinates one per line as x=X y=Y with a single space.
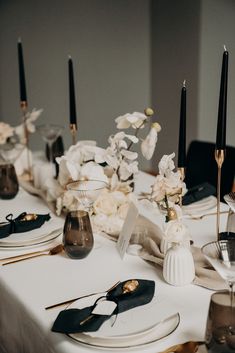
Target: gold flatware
x=53 y=251
x=69 y=301
x=187 y=347
x=205 y=215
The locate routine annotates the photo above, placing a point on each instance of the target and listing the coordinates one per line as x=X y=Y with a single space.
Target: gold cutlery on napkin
x=187 y=347
x=53 y=251
x=69 y=301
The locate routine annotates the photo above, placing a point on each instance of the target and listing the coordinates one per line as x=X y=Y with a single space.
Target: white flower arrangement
x=116 y=165
x=17 y=134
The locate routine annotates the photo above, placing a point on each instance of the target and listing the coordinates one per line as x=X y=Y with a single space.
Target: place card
x=127 y=229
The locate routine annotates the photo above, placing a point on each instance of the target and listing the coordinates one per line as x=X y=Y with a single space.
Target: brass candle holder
x=73 y=130
x=219 y=157
x=182 y=176
x=28 y=175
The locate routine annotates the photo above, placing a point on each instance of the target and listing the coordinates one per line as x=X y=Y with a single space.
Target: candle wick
x=184 y=83
x=19 y=40
x=69 y=56
x=225 y=48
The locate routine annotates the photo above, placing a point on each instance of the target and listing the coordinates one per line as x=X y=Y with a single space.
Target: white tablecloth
x=27 y=287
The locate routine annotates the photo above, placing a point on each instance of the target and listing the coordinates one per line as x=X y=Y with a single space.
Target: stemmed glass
x=221 y=255
x=87 y=191
x=49 y=133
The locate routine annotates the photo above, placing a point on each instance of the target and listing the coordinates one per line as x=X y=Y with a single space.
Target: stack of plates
x=133 y=328
x=200 y=207
x=47 y=232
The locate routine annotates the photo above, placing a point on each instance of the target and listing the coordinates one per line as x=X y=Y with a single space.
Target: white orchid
x=6 y=131
x=135 y=120
x=30 y=119
x=167 y=183
x=149 y=143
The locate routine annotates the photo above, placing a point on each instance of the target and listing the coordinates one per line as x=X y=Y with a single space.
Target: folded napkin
x=205 y=277
x=71 y=320
x=23 y=223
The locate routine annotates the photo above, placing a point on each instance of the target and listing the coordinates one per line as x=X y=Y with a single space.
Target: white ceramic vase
x=178 y=266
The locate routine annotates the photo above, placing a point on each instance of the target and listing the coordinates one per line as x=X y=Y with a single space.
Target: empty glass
x=9 y=185
x=78 y=237
x=220 y=330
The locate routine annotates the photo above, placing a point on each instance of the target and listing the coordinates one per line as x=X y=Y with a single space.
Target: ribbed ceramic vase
x=178 y=266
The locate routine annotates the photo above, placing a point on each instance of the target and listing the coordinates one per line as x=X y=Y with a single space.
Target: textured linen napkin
x=206 y=276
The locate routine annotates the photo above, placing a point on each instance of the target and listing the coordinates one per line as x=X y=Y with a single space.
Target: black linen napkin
x=23 y=223
x=69 y=321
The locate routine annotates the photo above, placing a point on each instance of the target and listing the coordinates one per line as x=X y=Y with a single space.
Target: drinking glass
x=220 y=329
x=77 y=236
x=50 y=133
x=221 y=255
x=87 y=191
x=9 y=185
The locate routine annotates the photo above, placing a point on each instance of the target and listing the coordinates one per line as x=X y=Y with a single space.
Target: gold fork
x=53 y=251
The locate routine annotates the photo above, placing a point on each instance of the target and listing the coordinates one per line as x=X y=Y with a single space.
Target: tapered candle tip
x=19 y=40
x=225 y=48
x=70 y=57
x=184 y=83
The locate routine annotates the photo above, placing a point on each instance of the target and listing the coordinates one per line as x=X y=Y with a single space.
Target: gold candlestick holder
x=219 y=157
x=182 y=176
x=28 y=175
x=73 y=130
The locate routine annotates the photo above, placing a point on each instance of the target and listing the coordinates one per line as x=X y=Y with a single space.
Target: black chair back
x=202 y=167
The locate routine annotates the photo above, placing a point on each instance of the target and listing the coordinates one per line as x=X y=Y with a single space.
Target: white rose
x=105 y=203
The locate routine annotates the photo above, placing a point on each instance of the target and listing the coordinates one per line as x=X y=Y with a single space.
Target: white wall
x=217 y=29
x=109 y=42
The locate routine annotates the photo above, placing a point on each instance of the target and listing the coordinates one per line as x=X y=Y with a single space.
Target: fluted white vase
x=178 y=266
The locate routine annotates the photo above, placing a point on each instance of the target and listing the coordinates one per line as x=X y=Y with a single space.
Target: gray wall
x=109 y=42
x=217 y=29
x=175 y=57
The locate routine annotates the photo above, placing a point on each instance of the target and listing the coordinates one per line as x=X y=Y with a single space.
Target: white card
x=127 y=229
x=104 y=307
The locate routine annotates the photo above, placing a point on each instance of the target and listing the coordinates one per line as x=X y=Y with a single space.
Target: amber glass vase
x=78 y=238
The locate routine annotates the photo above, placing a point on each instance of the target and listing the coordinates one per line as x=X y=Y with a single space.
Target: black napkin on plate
x=198 y=193
x=69 y=321
x=23 y=223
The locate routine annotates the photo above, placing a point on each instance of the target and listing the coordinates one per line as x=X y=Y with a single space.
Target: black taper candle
x=72 y=101
x=23 y=96
x=182 y=130
x=222 y=111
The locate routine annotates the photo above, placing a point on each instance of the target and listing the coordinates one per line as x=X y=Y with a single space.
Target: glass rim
x=70 y=187
x=216 y=242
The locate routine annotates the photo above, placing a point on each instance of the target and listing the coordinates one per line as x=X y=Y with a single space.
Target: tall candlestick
x=23 y=96
x=182 y=130
x=72 y=101
x=222 y=111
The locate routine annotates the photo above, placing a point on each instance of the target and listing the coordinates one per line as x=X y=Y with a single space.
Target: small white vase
x=178 y=266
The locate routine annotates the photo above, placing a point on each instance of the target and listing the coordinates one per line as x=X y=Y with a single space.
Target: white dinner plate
x=28 y=244
x=138 y=326
x=205 y=205
x=48 y=229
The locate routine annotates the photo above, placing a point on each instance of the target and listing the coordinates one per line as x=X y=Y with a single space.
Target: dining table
x=28 y=287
